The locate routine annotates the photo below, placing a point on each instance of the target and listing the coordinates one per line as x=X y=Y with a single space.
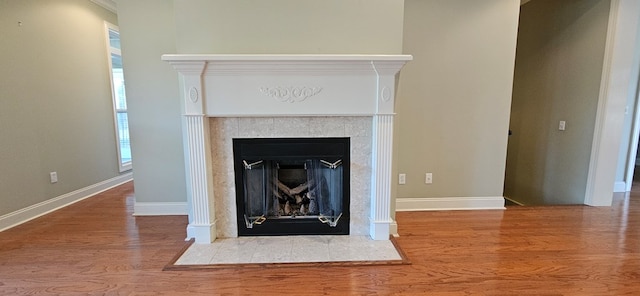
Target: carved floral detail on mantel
x=290 y=94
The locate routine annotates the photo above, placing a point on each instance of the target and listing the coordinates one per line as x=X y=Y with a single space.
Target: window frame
x=123 y=166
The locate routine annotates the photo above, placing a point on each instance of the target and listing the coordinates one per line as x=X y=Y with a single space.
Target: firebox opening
x=293 y=192
x=292 y=186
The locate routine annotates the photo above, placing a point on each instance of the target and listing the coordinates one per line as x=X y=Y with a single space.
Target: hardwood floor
x=96 y=247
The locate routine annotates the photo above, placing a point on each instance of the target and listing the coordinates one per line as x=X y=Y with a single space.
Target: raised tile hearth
x=301 y=249
x=230 y=97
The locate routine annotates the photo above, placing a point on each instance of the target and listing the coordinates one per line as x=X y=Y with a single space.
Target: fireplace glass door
x=254 y=193
x=327 y=177
x=285 y=188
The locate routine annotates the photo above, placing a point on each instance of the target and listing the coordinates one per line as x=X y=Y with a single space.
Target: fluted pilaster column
x=382 y=152
x=197 y=155
x=202 y=223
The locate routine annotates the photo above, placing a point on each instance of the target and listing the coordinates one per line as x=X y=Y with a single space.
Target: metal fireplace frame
x=273 y=149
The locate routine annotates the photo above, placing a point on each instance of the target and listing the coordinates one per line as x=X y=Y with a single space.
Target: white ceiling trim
x=107 y=4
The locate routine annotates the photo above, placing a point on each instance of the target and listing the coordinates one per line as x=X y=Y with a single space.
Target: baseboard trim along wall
x=393 y=228
x=160 y=208
x=450 y=203
x=29 y=213
x=620 y=186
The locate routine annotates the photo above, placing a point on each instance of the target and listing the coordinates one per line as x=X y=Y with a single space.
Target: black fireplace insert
x=292 y=186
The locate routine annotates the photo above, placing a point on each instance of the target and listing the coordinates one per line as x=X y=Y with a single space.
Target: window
x=119 y=98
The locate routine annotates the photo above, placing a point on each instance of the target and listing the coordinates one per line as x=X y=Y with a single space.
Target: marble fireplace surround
x=259 y=96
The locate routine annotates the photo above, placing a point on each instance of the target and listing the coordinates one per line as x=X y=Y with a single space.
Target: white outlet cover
x=562 y=125
x=53 y=176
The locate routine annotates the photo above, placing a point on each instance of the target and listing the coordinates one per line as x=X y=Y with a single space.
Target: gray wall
x=453 y=42
x=147 y=30
x=152 y=28
x=558 y=71
x=289 y=26
x=454 y=98
x=55 y=100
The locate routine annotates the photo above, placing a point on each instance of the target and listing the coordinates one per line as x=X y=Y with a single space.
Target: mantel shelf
x=284 y=57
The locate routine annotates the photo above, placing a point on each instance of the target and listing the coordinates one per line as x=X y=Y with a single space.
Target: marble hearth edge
x=280 y=96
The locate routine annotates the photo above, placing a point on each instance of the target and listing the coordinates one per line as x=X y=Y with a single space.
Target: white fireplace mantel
x=216 y=85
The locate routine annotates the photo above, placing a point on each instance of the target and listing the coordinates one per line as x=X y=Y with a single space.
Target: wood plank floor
x=97 y=247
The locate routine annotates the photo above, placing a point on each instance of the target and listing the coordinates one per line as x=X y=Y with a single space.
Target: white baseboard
x=450 y=203
x=160 y=208
x=31 y=212
x=620 y=186
x=393 y=228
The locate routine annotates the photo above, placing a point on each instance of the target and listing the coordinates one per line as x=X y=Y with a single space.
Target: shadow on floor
x=508 y=203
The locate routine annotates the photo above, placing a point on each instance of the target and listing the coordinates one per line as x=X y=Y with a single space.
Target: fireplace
x=292 y=186
x=242 y=97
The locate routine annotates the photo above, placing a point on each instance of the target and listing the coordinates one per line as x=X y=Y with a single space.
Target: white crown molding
x=450 y=203
x=29 y=213
x=285 y=57
x=295 y=64
x=109 y=5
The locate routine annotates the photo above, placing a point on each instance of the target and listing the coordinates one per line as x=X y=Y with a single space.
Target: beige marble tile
x=273 y=249
x=223 y=130
x=288 y=249
x=291 y=127
x=255 y=127
x=310 y=249
x=358 y=126
x=198 y=253
x=235 y=250
x=361 y=150
x=361 y=248
x=327 y=127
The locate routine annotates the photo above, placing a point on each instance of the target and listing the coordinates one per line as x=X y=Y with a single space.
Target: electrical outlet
x=428 y=178
x=54 y=177
x=402 y=179
x=562 y=125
